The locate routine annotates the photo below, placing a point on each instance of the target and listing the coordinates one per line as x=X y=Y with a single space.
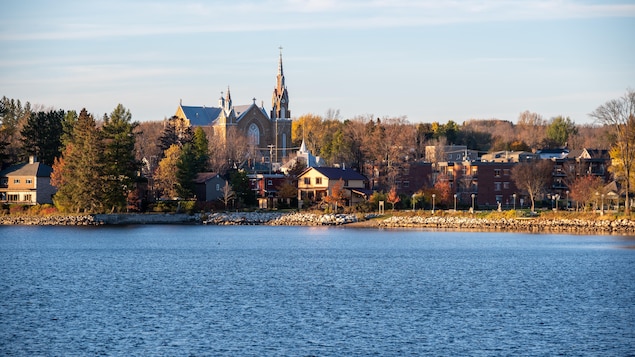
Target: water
x=199 y=290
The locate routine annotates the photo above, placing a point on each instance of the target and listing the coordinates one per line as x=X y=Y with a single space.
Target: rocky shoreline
x=455 y=223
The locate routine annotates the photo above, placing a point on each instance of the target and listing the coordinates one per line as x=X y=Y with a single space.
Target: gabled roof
x=204 y=177
x=36 y=169
x=335 y=173
x=201 y=116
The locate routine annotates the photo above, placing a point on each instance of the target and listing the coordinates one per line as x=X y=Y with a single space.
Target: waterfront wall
x=625 y=226
x=600 y=226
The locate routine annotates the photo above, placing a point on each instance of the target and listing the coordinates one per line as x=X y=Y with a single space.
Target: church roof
x=201 y=116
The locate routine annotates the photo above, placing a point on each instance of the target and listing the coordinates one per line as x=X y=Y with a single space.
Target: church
x=269 y=132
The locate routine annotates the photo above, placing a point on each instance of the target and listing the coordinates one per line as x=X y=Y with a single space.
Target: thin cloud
x=147 y=19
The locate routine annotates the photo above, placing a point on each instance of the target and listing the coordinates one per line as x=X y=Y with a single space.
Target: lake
x=303 y=291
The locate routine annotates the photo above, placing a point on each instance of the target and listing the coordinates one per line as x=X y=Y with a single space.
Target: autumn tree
x=80 y=171
x=584 y=188
x=120 y=164
x=393 y=197
x=619 y=116
x=165 y=175
x=443 y=189
x=531 y=128
x=336 y=195
x=287 y=190
x=532 y=178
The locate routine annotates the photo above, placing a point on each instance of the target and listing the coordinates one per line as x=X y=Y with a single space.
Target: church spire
x=280 y=98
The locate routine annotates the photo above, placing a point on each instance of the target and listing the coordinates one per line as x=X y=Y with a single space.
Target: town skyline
x=422 y=60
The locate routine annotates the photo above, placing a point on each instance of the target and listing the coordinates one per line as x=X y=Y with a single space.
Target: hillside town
x=245 y=157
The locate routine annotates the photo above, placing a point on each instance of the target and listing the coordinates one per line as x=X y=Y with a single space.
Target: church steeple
x=280 y=98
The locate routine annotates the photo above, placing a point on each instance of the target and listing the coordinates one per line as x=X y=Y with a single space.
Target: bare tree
x=227 y=194
x=619 y=115
x=532 y=178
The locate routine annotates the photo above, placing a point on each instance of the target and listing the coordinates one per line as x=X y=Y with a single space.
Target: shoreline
x=621 y=226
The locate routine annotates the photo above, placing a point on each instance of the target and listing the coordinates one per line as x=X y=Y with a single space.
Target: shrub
x=18 y=209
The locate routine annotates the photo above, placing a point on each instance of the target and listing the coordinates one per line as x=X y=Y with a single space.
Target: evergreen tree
x=186 y=170
x=41 y=136
x=80 y=175
x=240 y=184
x=175 y=131
x=201 y=150
x=120 y=165
x=67 y=127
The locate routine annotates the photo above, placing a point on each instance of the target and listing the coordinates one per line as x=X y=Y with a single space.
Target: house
x=449 y=153
x=265 y=186
x=209 y=186
x=317 y=182
x=27 y=183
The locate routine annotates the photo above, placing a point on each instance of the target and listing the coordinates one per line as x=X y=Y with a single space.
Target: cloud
x=140 y=18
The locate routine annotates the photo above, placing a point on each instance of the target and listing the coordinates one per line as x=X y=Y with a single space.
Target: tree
x=120 y=165
x=336 y=195
x=619 y=116
x=227 y=194
x=531 y=128
x=532 y=178
x=393 y=197
x=560 y=129
x=584 y=188
x=175 y=131
x=41 y=135
x=186 y=170
x=240 y=184
x=287 y=190
x=165 y=174
x=200 y=145
x=80 y=171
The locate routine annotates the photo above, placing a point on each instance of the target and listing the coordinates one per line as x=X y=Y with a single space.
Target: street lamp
x=514 y=196
x=433 y=197
x=414 y=202
x=473 y=195
x=567 y=199
x=557 y=198
x=455 y=202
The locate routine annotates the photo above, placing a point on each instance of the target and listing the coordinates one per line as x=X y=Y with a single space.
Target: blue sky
x=427 y=60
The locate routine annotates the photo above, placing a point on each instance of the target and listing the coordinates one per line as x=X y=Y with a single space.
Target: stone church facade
x=269 y=132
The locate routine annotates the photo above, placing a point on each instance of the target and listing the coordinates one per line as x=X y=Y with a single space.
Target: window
x=506 y=172
x=29 y=181
x=474 y=170
x=318 y=180
x=13 y=197
x=497 y=173
x=253 y=133
x=217 y=187
x=28 y=197
x=406 y=184
x=307 y=180
x=506 y=185
x=16 y=180
x=499 y=199
x=497 y=186
x=4 y=181
x=269 y=182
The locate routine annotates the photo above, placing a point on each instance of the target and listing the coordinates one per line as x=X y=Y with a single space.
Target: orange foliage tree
x=393 y=197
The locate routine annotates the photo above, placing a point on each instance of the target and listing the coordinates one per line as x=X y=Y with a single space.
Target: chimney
x=32 y=159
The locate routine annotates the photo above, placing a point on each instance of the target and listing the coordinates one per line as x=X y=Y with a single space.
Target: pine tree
x=186 y=170
x=120 y=165
x=41 y=135
x=80 y=175
x=201 y=149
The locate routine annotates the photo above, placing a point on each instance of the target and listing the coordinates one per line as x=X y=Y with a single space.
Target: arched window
x=284 y=144
x=253 y=134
